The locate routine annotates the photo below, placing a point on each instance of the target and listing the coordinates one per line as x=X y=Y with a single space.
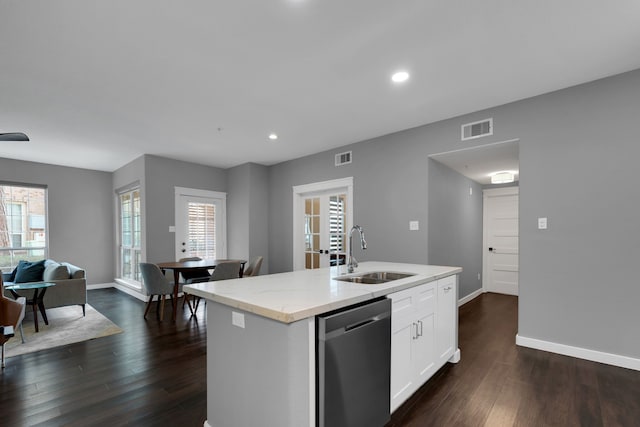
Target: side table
x=36 y=301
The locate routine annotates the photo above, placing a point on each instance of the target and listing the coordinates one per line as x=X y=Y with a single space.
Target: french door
x=322 y=217
x=200 y=224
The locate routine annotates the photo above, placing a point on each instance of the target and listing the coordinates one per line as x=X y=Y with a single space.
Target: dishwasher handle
x=352 y=319
x=365 y=322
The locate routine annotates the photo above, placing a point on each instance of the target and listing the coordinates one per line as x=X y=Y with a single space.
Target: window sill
x=131 y=284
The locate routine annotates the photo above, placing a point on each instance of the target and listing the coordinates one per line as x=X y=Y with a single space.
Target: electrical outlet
x=237 y=319
x=414 y=225
x=542 y=223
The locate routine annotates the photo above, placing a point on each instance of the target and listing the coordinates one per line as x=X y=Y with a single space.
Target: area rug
x=66 y=326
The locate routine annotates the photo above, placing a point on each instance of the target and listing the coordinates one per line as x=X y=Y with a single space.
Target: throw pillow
x=12 y=276
x=54 y=271
x=29 y=272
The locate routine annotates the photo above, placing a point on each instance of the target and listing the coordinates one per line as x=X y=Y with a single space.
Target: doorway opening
x=457 y=183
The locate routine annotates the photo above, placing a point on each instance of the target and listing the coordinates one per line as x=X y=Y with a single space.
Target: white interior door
x=322 y=217
x=200 y=224
x=501 y=240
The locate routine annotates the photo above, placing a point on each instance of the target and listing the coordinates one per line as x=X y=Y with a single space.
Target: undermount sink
x=375 y=277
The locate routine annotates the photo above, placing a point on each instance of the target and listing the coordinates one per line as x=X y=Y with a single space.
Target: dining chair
x=195 y=275
x=224 y=271
x=253 y=268
x=11 y=315
x=156 y=283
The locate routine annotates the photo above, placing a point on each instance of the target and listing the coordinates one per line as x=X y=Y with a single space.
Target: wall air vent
x=343 y=158
x=477 y=129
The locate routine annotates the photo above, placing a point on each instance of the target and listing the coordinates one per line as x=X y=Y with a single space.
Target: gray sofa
x=70 y=288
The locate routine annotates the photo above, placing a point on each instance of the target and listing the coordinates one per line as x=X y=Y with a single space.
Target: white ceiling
x=96 y=84
x=479 y=163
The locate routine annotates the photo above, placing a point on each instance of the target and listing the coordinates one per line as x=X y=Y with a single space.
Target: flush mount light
x=273 y=136
x=400 y=76
x=502 y=177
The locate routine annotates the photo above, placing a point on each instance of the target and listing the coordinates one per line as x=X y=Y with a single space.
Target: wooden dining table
x=180 y=266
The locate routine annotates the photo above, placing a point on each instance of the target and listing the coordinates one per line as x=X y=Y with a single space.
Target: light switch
x=414 y=225
x=542 y=223
x=237 y=319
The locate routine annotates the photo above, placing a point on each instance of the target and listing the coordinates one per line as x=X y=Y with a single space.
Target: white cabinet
x=423 y=327
x=412 y=340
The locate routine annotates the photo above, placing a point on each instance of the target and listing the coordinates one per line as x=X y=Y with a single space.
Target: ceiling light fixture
x=13 y=136
x=400 y=76
x=502 y=177
x=273 y=136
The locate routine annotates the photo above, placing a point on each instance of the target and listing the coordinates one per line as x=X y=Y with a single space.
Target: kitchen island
x=261 y=336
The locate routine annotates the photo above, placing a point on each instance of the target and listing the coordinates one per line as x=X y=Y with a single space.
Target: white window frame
x=25 y=226
x=126 y=281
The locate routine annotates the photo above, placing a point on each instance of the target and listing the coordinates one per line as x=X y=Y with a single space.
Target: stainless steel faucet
x=352 y=263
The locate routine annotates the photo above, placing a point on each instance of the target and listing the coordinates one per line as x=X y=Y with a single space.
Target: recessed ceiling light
x=273 y=136
x=400 y=76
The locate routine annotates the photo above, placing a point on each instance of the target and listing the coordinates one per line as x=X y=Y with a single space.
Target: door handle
x=420 y=323
x=490 y=249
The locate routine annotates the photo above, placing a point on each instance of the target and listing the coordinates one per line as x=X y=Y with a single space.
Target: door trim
x=207 y=194
x=302 y=191
x=503 y=191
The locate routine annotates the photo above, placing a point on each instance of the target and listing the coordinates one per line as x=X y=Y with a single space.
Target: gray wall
x=455 y=225
x=80 y=209
x=248 y=213
x=162 y=175
x=578 y=163
x=578 y=152
x=238 y=201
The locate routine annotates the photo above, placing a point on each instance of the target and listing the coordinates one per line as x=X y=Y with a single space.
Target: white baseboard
x=472 y=295
x=127 y=290
x=100 y=286
x=580 y=353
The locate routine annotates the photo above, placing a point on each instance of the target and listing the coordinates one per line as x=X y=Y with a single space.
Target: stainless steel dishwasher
x=354 y=366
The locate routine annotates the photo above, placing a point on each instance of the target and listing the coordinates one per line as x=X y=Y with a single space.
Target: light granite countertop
x=289 y=297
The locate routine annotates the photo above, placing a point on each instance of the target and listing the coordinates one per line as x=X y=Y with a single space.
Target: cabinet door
x=424 y=348
x=402 y=373
x=446 y=319
x=424 y=345
x=402 y=337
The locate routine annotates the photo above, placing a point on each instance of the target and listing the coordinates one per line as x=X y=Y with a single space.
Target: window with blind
x=202 y=229
x=23 y=224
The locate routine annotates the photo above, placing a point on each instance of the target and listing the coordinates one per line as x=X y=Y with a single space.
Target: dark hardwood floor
x=153 y=374
x=497 y=383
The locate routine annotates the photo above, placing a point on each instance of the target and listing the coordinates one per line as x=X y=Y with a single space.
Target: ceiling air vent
x=343 y=158
x=477 y=129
